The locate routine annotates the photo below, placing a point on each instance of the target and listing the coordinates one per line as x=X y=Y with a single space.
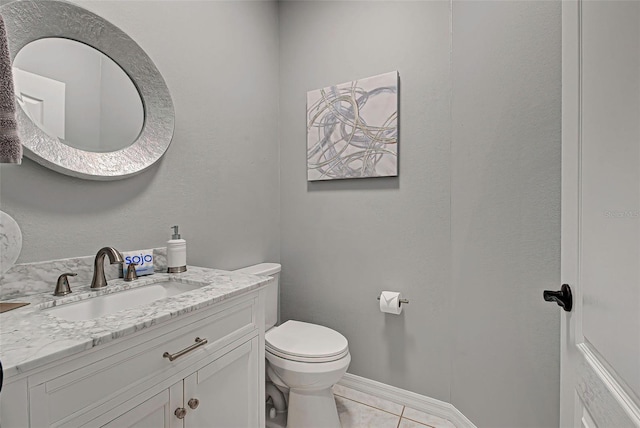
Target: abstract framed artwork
x=352 y=129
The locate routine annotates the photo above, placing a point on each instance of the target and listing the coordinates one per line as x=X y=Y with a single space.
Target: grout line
x=419 y=422
x=368 y=405
x=400 y=420
x=401 y=416
x=404 y=407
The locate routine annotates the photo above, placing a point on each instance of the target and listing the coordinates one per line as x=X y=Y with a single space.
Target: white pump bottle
x=176 y=253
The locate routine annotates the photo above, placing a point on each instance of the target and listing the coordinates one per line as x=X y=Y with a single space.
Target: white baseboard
x=423 y=403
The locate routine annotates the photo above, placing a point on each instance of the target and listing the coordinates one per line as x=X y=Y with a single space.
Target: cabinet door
x=156 y=412
x=226 y=391
x=14 y=411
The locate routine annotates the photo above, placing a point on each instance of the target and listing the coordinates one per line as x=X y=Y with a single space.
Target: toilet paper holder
x=406 y=301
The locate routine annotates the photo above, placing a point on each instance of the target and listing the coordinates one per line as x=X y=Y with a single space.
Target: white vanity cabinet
x=130 y=382
x=155 y=412
x=225 y=391
x=221 y=394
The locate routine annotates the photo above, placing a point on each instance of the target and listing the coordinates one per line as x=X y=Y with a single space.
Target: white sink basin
x=99 y=306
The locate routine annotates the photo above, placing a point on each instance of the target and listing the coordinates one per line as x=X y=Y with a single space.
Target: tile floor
x=359 y=410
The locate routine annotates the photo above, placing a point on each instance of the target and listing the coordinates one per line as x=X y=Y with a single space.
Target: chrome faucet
x=99 y=280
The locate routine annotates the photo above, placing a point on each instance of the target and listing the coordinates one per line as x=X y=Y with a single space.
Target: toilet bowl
x=303 y=360
x=306 y=360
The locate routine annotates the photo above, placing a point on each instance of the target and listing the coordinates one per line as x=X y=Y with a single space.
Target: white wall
x=219 y=178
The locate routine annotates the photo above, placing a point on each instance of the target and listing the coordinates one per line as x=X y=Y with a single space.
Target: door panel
x=600 y=396
x=153 y=413
x=610 y=184
x=600 y=339
x=227 y=390
x=156 y=411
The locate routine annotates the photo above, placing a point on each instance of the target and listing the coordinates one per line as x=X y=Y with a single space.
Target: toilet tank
x=273 y=289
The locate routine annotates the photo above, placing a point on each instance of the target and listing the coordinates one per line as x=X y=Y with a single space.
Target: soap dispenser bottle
x=176 y=253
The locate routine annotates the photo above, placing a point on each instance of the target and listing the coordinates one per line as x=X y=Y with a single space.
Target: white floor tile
x=357 y=415
x=426 y=419
x=370 y=400
x=408 y=423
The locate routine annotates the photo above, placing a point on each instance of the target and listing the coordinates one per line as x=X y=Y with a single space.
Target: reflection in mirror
x=27 y=22
x=77 y=94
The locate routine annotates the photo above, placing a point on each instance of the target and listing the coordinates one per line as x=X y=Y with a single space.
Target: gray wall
x=219 y=178
x=78 y=66
x=505 y=203
x=345 y=241
x=121 y=110
x=469 y=232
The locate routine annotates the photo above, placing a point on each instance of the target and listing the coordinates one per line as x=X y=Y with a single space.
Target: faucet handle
x=131 y=272
x=62 y=286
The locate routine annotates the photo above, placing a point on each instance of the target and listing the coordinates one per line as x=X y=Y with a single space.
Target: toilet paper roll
x=390 y=302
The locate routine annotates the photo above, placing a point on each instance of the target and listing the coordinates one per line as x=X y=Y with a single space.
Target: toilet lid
x=301 y=341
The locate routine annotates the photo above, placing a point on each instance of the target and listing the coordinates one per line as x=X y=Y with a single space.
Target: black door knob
x=563 y=297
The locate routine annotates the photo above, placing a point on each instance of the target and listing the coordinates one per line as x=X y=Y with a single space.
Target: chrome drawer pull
x=199 y=342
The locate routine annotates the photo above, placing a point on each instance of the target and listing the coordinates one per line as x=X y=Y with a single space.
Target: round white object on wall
x=10 y=241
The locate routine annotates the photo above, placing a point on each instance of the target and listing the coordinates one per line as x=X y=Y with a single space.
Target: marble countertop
x=31 y=337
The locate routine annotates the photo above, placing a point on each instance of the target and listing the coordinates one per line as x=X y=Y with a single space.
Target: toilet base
x=312 y=409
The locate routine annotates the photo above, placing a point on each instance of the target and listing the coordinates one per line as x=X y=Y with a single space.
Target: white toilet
x=304 y=360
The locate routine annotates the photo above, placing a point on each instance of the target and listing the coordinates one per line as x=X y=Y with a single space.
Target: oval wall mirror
x=93 y=104
x=78 y=95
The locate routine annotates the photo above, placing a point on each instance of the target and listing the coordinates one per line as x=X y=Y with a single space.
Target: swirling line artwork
x=352 y=129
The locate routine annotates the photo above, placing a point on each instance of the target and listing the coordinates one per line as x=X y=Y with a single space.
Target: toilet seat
x=305 y=342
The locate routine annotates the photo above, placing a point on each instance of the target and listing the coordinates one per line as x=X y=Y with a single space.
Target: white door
x=600 y=340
